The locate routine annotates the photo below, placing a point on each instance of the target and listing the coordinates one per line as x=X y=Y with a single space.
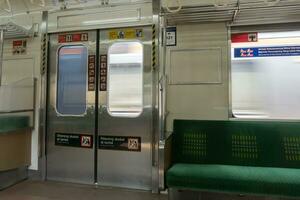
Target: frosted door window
x=72 y=80
x=125 y=79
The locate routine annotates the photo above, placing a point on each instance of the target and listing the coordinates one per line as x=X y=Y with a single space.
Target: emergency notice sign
x=19 y=47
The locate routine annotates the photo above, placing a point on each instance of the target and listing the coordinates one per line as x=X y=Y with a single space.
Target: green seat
x=13 y=123
x=260 y=158
x=235 y=179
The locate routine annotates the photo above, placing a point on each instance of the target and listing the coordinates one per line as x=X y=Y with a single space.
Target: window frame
x=125 y=114
x=57 y=75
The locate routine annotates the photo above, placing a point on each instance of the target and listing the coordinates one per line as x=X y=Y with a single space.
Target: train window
x=125 y=79
x=265 y=77
x=72 y=80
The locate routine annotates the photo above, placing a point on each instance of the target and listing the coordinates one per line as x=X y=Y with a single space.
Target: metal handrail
x=16 y=111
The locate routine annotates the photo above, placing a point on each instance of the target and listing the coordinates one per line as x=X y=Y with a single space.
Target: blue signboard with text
x=255 y=52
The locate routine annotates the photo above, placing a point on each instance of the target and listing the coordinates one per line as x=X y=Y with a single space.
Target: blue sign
x=250 y=52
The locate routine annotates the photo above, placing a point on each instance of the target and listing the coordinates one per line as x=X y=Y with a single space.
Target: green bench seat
x=261 y=158
x=12 y=123
x=235 y=179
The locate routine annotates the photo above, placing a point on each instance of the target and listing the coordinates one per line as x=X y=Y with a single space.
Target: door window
x=125 y=79
x=72 y=80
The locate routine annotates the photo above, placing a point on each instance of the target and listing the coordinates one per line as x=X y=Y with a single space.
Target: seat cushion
x=237 y=179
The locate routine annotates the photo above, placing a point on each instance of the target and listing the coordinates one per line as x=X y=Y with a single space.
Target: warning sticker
x=125 y=34
x=103 y=73
x=74 y=37
x=74 y=140
x=91 y=72
x=244 y=37
x=120 y=143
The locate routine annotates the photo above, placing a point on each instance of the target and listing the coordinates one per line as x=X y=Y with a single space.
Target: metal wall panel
x=199 y=100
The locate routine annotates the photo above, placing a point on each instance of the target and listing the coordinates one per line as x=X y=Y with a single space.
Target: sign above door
x=74 y=37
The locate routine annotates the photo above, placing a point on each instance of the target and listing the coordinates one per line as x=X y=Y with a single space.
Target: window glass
x=266 y=77
x=125 y=79
x=72 y=80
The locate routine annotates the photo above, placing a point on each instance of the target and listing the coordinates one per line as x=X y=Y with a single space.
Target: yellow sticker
x=130 y=34
x=113 y=35
x=125 y=34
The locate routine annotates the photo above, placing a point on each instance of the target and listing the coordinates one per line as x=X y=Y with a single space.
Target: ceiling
x=238 y=12
x=14 y=7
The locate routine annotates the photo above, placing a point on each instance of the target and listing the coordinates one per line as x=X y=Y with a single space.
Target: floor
x=38 y=190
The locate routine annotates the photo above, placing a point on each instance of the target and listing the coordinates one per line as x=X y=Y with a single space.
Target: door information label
x=129 y=33
x=171 y=36
x=92 y=73
x=103 y=73
x=73 y=37
x=120 y=143
x=74 y=140
x=266 y=51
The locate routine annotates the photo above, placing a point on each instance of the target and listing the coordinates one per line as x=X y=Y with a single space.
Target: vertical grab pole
x=1 y=53
x=156 y=6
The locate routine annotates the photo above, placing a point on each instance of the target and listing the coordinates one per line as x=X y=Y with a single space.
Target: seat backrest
x=249 y=143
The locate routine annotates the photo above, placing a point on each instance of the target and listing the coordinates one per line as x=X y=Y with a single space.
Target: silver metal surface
x=123 y=168
x=68 y=163
x=43 y=97
x=230 y=114
x=1 y=53
x=156 y=42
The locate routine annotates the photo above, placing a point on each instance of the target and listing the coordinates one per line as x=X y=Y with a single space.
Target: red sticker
x=17 y=43
x=244 y=37
x=61 y=38
x=75 y=37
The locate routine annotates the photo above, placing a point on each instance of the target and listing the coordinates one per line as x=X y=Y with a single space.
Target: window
x=266 y=77
x=125 y=79
x=72 y=80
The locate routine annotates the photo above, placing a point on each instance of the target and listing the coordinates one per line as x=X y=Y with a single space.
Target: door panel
x=125 y=113
x=124 y=137
x=70 y=112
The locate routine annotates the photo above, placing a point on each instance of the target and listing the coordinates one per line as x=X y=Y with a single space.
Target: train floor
x=38 y=190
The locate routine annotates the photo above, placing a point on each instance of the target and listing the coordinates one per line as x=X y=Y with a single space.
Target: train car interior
x=149 y=99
